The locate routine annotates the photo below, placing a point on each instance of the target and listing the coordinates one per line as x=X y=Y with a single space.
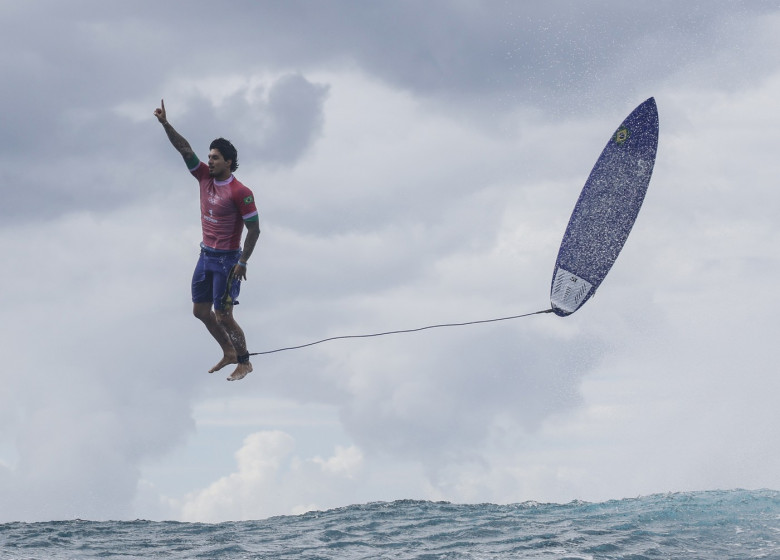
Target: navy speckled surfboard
x=606 y=210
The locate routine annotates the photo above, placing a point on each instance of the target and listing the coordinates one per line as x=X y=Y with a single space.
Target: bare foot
x=240 y=372
x=226 y=359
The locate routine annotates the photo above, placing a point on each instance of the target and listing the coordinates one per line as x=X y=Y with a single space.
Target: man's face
x=219 y=168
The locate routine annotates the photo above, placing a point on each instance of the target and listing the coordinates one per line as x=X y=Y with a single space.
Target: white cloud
x=346 y=461
x=245 y=493
x=267 y=478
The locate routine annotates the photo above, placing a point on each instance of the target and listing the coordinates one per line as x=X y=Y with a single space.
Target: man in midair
x=226 y=207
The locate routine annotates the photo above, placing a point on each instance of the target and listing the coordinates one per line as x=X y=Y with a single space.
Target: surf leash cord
x=400 y=332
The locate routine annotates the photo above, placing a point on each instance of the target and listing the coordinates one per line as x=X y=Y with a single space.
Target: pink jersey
x=224 y=205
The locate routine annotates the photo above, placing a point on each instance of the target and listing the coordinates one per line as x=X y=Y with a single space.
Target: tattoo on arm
x=178 y=141
x=252 y=234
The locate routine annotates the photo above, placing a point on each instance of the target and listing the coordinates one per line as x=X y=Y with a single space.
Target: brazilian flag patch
x=249 y=200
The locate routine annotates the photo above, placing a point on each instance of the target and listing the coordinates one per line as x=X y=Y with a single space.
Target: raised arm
x=178 y=141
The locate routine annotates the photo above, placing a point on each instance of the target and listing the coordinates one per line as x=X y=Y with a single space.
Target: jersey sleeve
x=200 y=170
x=245 y=202
x=192 y=162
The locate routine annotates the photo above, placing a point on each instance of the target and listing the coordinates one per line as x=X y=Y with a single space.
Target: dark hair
x=227 y=150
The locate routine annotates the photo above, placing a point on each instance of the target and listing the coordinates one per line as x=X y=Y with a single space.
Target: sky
x=414 y=163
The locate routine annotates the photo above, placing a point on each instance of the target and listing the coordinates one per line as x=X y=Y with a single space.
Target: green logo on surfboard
x=621 y=135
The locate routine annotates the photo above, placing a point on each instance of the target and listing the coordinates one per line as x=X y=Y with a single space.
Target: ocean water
x=713 y=525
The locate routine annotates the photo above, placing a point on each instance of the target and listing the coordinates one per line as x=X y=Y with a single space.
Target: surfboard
x=606 y=210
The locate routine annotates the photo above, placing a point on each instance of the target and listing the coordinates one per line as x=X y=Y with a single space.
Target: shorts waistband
x=205 y=249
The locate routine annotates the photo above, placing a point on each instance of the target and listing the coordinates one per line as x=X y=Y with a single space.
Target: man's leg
x=204 y=312
x=236 y=336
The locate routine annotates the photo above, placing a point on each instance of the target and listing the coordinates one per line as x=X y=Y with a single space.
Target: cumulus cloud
x=96 y=385
x=272 y=122
x=269 y=478
x=344 y=462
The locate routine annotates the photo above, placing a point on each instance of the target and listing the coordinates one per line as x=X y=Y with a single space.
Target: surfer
x=227 y=206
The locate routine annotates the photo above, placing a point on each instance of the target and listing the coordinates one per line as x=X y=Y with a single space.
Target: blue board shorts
x=210 y=277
